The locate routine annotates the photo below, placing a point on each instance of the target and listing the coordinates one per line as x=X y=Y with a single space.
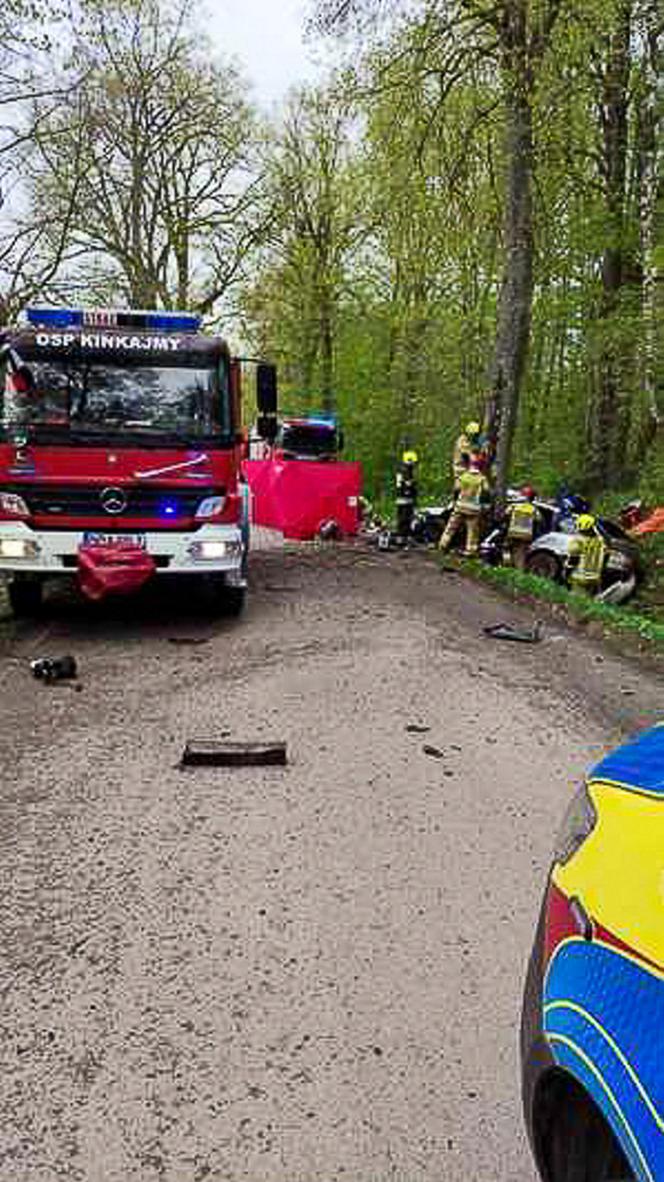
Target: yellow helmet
x=409 y=457
x=585 y=522
x=473 y=428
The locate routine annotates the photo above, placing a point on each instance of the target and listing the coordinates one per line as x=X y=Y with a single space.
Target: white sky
x=267 y=36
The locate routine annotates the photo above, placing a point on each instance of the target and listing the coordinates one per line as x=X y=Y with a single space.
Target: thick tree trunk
x=651 y=151
x=516 y=295
x=607 y=450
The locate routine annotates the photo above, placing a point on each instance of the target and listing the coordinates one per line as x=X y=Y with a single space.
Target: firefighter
x=523 y=518
x=473 y=493
x=588 y=548
x=468 y=443
x=406 y=494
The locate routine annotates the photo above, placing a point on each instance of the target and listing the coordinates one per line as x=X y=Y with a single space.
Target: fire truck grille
x=116 y=502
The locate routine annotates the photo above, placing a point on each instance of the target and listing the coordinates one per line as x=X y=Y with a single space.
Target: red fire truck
x=120 y=453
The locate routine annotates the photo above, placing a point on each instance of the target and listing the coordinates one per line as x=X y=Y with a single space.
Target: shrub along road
x=284 y=975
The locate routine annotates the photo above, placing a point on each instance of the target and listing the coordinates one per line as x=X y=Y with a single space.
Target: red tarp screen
x=298 y=496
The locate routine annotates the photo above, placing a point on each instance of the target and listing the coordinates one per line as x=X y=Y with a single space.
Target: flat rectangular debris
x=212 y=753
x=509 y=632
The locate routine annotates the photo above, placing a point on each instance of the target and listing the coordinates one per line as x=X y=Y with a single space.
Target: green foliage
x=416 y=289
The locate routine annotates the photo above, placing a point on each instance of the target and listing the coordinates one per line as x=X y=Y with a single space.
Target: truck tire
x=25 y=596
x=233 y=601
x=221 y=599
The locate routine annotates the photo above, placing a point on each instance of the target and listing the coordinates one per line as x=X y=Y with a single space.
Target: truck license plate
x=93 y=538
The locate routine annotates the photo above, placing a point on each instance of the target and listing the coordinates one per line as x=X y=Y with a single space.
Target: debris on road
x=211 y=753
x=434 y=752
x=415 y=728
x=51 y=669
x=191 y=641
x=510 y=632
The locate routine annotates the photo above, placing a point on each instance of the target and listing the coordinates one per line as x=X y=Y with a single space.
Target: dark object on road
x=509 y=632
x=50 y=669
x=210 y=753
x=416 y=728
x=434 y=752
x=593 y=1011
x=189 y=641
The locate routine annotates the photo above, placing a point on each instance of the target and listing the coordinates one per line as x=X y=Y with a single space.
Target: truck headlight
x=18 y=548
x=577 y=825
x=211 y=550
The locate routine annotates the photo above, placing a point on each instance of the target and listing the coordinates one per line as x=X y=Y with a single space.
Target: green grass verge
x=621 y=620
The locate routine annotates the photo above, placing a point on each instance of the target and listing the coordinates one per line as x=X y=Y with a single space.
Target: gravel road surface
x=306 y=974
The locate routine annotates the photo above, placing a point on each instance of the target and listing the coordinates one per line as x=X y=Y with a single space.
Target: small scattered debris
x=211 y=753
x=510 y=632
x=434 y=752
x=415 y=728
x=190 y=641
x=51 y=669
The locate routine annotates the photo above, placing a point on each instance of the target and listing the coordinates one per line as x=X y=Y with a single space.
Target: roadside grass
x=623 y=621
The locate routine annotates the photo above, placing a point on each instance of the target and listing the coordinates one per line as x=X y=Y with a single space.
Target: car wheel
x=545 y=565
x=574 y=1142
x=25 y=596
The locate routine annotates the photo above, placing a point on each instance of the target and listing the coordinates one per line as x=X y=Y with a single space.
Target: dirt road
x=288 y=975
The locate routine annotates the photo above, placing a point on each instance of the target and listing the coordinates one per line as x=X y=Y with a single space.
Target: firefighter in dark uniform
x=406 y=494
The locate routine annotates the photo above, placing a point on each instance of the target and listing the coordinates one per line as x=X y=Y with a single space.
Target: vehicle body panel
x=594 y=1000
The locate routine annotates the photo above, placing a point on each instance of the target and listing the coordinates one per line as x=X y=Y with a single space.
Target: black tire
x=576 y=1143
x=26 y=596
x=545 y=565
x=221 y=599
x=233 y=601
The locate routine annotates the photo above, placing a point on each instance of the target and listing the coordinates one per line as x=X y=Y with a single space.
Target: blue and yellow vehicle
x=592 y=1036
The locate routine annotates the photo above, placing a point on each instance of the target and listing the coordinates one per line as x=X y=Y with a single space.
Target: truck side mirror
x=266 y=400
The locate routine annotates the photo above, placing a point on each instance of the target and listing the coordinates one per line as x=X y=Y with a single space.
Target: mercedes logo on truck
x=113 y=501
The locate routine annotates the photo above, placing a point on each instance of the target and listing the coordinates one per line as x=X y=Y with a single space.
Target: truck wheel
x=25 y=596
x=233 y=601
x=222 y=599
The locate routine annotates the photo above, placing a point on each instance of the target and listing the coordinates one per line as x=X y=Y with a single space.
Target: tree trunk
x=651 y=153
x=607 y=449
x=516 y=294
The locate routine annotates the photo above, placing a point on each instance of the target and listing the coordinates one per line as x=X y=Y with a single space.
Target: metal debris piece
x=50 y=669
x=414 y=728
x=211 y=753
x=509 y=632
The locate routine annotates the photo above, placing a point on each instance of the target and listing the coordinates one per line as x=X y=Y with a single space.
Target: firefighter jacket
x=462 y=449
x=591 y=552
x=473 y=491
x=522 y=520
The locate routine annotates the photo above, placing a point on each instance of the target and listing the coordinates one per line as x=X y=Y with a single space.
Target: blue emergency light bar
x=61 y=318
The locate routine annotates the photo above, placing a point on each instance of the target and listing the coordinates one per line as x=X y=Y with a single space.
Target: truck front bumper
x=210 y=549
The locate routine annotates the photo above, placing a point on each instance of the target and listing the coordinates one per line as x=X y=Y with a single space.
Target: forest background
x=464 y=220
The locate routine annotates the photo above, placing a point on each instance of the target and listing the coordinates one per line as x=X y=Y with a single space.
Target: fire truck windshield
x=59 y=397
